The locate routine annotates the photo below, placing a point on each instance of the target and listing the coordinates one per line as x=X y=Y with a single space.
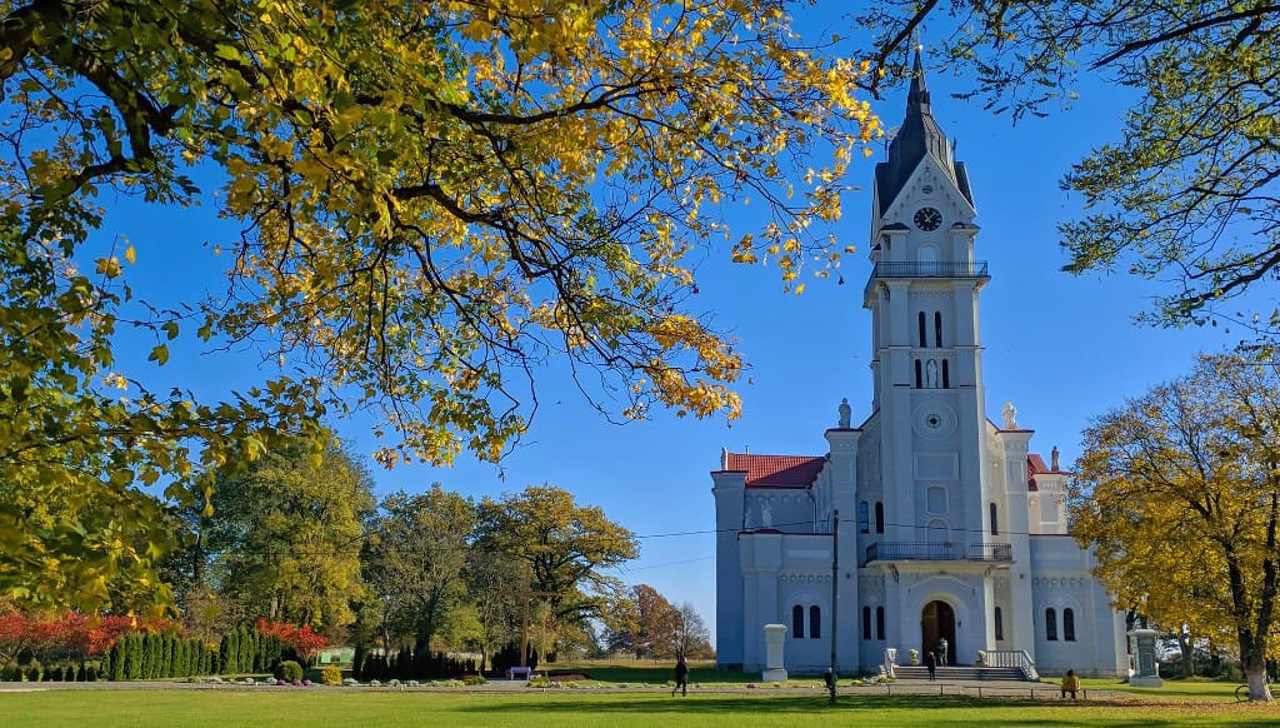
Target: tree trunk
x=1188 y=652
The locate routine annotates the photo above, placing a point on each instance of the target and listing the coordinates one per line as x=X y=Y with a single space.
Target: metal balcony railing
x=939 y=269
x=946 y=551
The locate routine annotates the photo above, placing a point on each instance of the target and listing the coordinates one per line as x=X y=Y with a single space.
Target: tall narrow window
x=864 y=518
x=1069 y=625
x=995 y=526
x=866 y=623
x=999 y=620
x=797 y=622
x=937 y=328
x=924 y=340
x=879 y=517
x=1050 y=625
x=946 y=375
x=815 y=622
x=919 y=376
x=879 y=623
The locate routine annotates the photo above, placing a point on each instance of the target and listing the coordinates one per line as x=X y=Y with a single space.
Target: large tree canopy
x=437 y=198
x=1179 y=493
x=1190 y=193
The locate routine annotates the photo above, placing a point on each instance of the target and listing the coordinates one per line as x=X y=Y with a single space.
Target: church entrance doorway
x=937 y=622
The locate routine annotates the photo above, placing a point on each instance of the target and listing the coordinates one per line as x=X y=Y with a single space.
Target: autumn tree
x=1189 y=194
x=285 y=536
x=1178 y=493
x=641 y=621
x=436 y=199
x=489 y=578
x=560 y=548
x=420 y=551
x=690 y=638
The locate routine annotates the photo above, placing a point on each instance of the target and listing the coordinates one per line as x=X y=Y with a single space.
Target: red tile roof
x=777 y=471
x=1036 y=466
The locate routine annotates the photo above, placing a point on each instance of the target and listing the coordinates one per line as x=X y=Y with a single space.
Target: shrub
x=331 y=675
x=474 y=680
x=11 y=673
x=34 y=671
x=289 y=671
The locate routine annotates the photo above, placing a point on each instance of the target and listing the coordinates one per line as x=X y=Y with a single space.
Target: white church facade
x=950 y=528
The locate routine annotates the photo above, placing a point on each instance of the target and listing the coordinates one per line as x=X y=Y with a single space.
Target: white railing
x=1013 y=658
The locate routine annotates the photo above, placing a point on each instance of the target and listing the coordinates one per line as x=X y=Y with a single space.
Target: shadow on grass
x=775 y=707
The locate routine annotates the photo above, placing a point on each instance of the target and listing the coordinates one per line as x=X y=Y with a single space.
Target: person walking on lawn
x=1070 y=684
x=931 y=662
x=682 y=677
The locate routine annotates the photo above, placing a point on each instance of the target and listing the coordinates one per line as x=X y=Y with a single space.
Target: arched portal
x=937 y=622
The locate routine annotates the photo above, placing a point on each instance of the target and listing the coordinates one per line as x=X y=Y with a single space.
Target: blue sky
x=1062 y=348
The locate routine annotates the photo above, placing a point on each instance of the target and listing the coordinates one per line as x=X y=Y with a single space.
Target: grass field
x=229 y=708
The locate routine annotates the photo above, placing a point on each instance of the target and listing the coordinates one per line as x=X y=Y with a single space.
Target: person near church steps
x=1070 y=684
x=931 y=662
x=682 y=677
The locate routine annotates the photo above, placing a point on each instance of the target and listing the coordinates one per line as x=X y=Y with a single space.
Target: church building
x=949 y=526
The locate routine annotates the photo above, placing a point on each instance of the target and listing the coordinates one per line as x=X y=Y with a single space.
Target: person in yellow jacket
x=1070 y=684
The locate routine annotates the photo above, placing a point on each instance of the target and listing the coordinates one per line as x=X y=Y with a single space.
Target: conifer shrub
x=289 y=671
x=34 y=671
x=331 y=675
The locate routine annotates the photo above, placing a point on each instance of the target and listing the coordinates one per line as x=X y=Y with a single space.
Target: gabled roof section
x=1036 y=466
x=918 y=137
x=776 y=471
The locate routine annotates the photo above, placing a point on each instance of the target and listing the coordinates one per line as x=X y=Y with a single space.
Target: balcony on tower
x=939 y=551
x=930 y=269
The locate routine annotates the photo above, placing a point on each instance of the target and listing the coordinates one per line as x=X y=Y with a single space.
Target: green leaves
x=159 y=354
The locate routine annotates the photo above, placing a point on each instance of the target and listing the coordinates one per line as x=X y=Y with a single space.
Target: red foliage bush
x=302 y=639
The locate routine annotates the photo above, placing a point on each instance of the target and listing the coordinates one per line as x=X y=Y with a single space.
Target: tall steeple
x=918 y=95
x=918 y=137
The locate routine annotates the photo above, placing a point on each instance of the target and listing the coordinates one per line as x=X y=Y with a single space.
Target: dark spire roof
x=918 y=136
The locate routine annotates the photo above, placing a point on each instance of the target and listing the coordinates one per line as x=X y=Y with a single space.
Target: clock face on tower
x=927 y=218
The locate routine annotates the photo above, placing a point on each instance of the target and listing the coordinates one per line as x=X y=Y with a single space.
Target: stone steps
x=950 y=672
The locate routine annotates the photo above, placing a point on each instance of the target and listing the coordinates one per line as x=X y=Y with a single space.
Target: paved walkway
x=1001 y=689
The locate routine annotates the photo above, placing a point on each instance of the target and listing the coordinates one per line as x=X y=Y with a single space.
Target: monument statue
x=1010 y=414
x=846 y=412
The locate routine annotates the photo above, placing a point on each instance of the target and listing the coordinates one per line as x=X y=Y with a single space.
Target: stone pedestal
x=1146 y=670
x=774 y=637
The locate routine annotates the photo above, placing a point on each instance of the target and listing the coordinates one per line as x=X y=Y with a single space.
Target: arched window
x=1069 y=625
x=924 y=340
x=995 y=525
x=946 y=375
x=1050 y=625
x=797 y=622
x=937 y=328
x=919 y=376
x=866 y=623
x=999 y=620
x=879 y=517
x=815 y=622
x=864 y=518
x=879 y=623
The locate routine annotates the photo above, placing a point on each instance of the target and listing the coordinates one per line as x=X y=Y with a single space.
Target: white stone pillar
x=774 y=638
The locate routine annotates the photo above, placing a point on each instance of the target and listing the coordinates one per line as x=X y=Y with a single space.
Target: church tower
x=927 y=349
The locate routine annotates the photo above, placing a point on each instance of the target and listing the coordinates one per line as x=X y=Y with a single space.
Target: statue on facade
x=846 y=413
x=931 y=374
x=1053 y=458
x=1010 y=414
x=766 y=515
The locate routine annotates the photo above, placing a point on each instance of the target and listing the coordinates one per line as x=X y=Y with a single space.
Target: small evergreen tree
x=117 y=659
x=248 y=649
x=105 y=662
x=132 y=657
x=224 y=655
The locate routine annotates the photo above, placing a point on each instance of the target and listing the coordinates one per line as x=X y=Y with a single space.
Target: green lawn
x=353 y=707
